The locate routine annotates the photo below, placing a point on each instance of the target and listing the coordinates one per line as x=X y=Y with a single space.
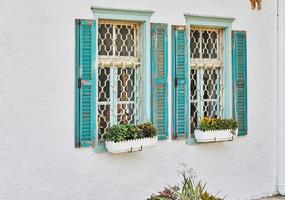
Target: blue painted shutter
x=85 y=58
x=181 y=81
x=240 y=79
x=159 y=62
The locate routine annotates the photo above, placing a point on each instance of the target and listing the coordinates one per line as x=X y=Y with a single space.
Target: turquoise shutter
x=180 y=81
x=240 y=80
x=85 y=87
x=159 y=63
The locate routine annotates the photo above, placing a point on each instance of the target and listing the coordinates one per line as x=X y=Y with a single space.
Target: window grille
x=206 y=74
x=119 y=74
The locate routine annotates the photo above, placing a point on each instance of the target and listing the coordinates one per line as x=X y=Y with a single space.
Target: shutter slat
x=85 y=57
x=240 y=79
x=159 y=62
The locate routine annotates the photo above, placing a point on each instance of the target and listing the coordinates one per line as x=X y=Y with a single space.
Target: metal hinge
x=79 y=83
x=82 y=82
x=179 y=82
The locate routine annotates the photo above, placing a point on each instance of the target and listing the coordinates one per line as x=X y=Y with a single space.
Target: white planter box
x=130 y=145
x=214 y=135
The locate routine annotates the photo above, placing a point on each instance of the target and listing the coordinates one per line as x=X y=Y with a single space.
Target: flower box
x=131 y=145
x=214 y=135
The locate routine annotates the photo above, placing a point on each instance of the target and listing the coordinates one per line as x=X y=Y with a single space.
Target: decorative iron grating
x=119 y=74
x=206 y=74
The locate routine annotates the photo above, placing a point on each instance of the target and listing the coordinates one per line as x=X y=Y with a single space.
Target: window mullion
x=112 y=96
x=200 y=92
x=115 y=93
x=135 y=95
x=200 y=81
x=115 y=79
x=220 y=91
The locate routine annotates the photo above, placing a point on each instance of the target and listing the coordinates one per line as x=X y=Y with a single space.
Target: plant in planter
x=129 y=137
x=188 y=189
x=147 y=130
x=212 y=130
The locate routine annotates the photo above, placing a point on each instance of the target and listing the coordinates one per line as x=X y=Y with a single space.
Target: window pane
x=104 y=84
x=210 y=109
x=125 y=113
x=195 y=43
x=194 y=116
x=125 y=40
x=210 y=88
x=103 y=101
x=103 y=121
x=210 y=85
x=193 y=84
x=126 y=84
x=105 y=40
x=209 y=44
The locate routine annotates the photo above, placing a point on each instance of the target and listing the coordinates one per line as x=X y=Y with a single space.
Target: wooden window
x=119 y=74
x=206 y=74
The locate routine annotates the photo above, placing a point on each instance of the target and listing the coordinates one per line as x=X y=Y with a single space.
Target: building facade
x=71 y=69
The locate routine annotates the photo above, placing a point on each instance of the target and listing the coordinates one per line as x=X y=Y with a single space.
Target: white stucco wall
x=37 y=156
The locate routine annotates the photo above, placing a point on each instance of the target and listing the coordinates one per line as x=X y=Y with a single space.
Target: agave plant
x=190 y=190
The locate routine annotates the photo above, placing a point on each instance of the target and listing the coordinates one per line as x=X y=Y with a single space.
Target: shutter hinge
x=179 y=81
x=83 y=82
x=79 y=83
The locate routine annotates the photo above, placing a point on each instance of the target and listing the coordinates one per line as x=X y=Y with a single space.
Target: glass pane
x=103 y=121
x=209 y=44
x=125 y=113
x=193 y=84
x=125 y=40
x=214 y=41
x=210 y=85
x=210 y=109
x=206 y=45
x=194 y=116
x=103 y=84
x=105 y=40
x=195 y=43
x=126 y=84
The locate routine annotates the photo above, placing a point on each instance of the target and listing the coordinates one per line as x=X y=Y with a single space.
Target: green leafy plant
x=191 y=190
x=117 y=133
x=217 y=124
x=147 y=129
x=207 y=196
x=123 y=132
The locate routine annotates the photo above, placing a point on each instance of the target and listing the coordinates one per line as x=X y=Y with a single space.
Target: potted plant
x=190 y=188
x=214 y=130
x=129 y=137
